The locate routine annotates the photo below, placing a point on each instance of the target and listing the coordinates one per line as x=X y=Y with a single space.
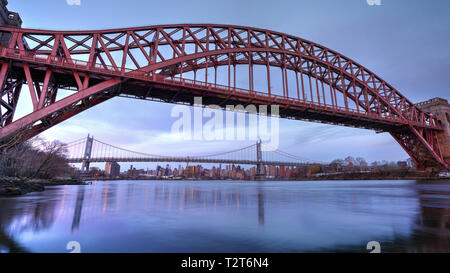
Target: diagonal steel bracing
x=178 y=62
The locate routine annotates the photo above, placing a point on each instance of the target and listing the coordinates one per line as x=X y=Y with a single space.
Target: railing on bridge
x=31 y=56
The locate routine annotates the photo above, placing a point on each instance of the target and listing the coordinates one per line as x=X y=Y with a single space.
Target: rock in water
x=13 y=191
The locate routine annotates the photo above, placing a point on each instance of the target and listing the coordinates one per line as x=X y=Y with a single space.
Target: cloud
x=73 y=2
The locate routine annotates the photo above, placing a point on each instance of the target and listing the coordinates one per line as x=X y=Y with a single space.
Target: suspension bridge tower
x=259 y=167
x=87 y=154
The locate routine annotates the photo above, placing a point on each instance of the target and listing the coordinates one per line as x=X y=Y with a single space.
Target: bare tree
x=35 y=158
x=13 y=141
x=52 y=159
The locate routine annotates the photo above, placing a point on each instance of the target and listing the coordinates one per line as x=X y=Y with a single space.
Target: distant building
x=112 y=169
x=189 y=171
x=402 y=164
x=133 y=173
x=167 y=171
x=96 y=172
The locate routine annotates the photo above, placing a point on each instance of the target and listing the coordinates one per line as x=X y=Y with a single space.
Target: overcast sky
x=405 y=42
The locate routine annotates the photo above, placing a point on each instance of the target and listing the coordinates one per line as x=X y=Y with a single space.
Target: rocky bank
x=12 y=186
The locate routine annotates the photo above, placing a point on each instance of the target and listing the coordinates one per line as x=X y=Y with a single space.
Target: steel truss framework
x=174 y=63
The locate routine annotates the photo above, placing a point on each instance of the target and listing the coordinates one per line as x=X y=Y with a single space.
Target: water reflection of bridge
x=432 y=219
x=76 y=207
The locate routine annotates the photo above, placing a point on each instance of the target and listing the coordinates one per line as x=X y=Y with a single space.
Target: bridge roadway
x=186 y=159
x=213 y=93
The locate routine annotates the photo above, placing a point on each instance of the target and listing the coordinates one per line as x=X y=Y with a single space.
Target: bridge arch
x=153 y=62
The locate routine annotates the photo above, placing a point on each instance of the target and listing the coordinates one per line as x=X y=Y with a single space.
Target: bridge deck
x=186 y=160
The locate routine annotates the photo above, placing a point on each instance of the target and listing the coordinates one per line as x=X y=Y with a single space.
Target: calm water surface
x=230 y=216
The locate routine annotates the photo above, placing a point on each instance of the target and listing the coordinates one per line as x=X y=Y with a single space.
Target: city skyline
x=114 y=170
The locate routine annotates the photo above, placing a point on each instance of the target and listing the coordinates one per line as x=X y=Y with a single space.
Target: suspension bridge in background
x=89 y=150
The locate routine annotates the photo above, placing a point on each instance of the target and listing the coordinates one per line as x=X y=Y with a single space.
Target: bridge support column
x=87 y=154
x=10 y=88
x=259 y=167
x=441 y=109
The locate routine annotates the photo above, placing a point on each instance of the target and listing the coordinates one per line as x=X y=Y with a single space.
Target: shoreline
x=13 y=186
x=323 y=178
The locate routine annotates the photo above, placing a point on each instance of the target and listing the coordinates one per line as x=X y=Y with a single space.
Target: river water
x=230 y=216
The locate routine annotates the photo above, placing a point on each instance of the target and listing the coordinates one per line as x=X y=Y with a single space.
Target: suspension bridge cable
x=280 y=152
x=154 y=155
x=72 y=142
x=229 y=152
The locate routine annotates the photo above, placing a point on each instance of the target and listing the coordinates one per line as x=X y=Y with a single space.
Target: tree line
x=35 y=158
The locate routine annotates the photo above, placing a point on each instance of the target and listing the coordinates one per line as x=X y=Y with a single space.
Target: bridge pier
x=440 y=108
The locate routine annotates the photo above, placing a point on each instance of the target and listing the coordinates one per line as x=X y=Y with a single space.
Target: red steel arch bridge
x=67 y=72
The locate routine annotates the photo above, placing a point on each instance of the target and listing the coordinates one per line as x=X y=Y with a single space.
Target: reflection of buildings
x=251 y=203
x=430 y=234
x=112 y=169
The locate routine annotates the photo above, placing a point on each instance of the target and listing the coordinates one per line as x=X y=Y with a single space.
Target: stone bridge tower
x=441 y=109
x=9 y=19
